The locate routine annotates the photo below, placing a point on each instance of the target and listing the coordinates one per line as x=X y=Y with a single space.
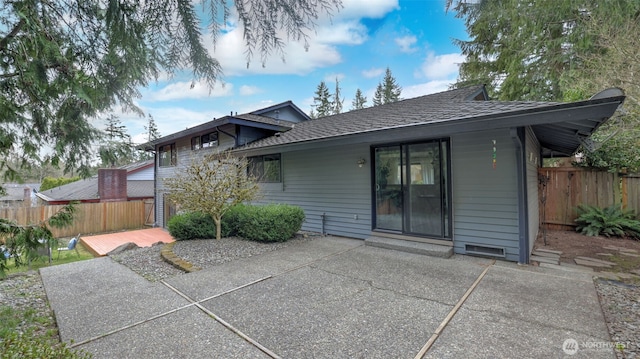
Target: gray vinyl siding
x=284 y=113
x=184 y=157
x=142 y=175
x=485 y=200
x=533 y=161
x=327 y=181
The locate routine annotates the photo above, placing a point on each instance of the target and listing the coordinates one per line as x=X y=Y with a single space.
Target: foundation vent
x=484 y=250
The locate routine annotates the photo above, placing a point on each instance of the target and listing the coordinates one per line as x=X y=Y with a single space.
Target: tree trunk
x=218 y=221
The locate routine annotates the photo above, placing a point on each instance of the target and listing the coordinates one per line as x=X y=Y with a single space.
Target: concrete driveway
x=331 y=298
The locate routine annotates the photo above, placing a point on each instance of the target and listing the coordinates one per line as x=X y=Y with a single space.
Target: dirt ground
x=573 y=244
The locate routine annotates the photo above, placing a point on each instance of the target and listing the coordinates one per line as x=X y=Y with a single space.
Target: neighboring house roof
x=138 y=166
x=15 y=191
x=559 y=134
x=87 y=190
x=252 y=119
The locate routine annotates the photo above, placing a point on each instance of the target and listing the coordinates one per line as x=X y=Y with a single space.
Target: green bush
x=192 y=225
x=230 y=220
x=269 y=223
x=610 y=221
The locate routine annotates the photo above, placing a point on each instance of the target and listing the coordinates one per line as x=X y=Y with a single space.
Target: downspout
x=235 y=138
x=517 y=135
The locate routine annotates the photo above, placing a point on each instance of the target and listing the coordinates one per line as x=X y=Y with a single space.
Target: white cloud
x=246 y=90
x=426 y=88
x=406 y=43
x=373 y=9
x=437 y=67
x=331 y=78
x=372 y=72
x=230 y=52
x=344 y=33
x=184 y=90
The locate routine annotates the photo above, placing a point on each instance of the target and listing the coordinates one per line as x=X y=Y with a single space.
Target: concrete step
x=544 y=259
x=428 y=249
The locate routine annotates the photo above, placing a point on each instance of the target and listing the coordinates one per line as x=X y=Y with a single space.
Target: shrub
x=192 y=225
x=230 y=221
x=610 y=221
x=269 y=223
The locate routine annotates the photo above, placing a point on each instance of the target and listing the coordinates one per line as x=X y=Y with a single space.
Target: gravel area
x=621 y=306
x=203 y=253
x=620 y=302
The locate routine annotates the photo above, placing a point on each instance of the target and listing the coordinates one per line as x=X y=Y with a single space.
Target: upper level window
x=195 y=143
x=209 y=140
x=167 y=155
x=266 y=168
x=204 y=141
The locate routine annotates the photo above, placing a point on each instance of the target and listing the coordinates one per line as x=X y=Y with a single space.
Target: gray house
x=451 y=169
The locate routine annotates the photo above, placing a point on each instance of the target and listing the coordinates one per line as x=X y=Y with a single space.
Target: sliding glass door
x=411 y=188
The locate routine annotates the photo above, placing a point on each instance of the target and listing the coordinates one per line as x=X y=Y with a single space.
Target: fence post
x=625 y=193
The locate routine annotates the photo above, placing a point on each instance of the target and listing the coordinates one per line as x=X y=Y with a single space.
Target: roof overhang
x=560 y=127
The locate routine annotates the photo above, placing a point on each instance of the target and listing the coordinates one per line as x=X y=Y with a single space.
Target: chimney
x=112 y=184
x=26 y=199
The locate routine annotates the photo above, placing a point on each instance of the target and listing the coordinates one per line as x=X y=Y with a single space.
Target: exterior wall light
x=361 y=162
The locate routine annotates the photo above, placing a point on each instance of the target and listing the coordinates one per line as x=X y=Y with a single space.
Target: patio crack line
x=370 y=283
x=236 y=331
x=531 y=321
x=452 y=313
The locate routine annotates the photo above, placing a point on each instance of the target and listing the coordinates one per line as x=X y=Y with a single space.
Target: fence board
x=90 y=217
x=562 y=189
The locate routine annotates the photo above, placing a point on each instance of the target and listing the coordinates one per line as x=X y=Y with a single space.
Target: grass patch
x=624 y=263
x=43 y=261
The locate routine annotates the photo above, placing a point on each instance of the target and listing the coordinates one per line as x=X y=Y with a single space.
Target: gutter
x=517 y=135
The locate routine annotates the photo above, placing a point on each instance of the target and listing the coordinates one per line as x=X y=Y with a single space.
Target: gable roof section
x=453 y=108
x=251 y=119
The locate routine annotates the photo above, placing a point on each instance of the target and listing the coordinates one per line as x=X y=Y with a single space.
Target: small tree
x=213 y=185
x=359 y=102
x=322 y=101
x=337 y=101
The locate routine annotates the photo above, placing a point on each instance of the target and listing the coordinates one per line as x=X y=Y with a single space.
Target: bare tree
x=213 y=185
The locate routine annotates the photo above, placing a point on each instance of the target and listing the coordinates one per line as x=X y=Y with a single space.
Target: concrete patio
x=330 y=298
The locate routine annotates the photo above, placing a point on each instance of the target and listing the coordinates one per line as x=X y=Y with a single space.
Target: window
x=167 y=155
x=195 y=143
x=209 y=140
x=205 y=141
x=266 y=168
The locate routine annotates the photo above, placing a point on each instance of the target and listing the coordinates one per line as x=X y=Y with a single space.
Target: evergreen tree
x=359 y=102
x=388 y=90
x=521 y=49
x=337 y=101
x=64 y=62
x=152 y=129
x=116 y=147
x=322 y=101
x=378 y=97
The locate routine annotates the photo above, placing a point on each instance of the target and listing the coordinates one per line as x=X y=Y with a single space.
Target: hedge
x=192 y=225
x=268 y=223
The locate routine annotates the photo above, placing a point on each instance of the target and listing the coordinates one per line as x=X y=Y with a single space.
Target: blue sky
x=411 y=37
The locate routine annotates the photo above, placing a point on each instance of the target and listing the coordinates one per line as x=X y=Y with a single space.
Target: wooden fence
x=562 y=189
x=90 y=217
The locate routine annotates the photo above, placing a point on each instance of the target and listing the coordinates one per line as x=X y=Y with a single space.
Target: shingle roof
x=560 y=127
x=439 y=107
x=87 y=189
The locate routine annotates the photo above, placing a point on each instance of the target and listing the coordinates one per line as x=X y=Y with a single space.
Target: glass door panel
x=423 y=192
x=389 y=193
